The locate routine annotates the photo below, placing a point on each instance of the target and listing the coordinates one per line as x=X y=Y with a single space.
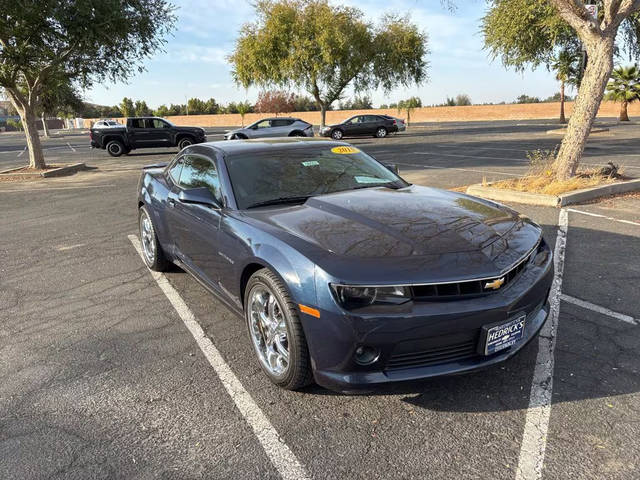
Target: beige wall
x=529 y=111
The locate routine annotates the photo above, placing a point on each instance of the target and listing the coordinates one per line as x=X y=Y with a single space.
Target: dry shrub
x=541 y=176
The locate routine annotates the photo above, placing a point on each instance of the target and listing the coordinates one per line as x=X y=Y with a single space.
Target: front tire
x=275 y=331
x=381 y=132
x=337 y=134
x=185 y=142
x=115 y=148
x=152 y=253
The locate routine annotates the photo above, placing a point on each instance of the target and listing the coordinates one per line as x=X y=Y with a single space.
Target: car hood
x=407 y=231
x=190 y=129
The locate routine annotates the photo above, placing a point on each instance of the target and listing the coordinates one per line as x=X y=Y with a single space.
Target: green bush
x=14 y=125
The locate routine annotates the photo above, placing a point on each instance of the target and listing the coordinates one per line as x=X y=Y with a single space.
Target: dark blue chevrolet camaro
x=345 y=273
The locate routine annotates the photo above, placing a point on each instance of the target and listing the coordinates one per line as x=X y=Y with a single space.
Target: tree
x=195 y=106
x=530 y=32
x=463 y=100
x=177 y=109
x=244 y=108
x=141 y=109
x=275 y=101
x=127 y=107
x=83 y=40
x=409 y=105
x=566 y=66
x=325 y=48
x=58 y=98
x=624 y=87
x=211 y=106
x=304 y=103
x=358 y=103
x=527 y=99
x=162 y=111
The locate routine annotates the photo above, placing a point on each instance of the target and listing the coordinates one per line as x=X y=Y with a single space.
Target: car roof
x=259 y=145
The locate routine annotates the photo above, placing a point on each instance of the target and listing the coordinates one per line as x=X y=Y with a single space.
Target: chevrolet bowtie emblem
x=496 y=284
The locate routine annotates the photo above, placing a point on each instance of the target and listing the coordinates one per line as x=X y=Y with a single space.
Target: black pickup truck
x=144 y=132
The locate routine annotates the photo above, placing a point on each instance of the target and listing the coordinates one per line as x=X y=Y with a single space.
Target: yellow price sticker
x=344 y=150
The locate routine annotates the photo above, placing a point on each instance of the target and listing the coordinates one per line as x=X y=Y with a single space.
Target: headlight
x=351 y=297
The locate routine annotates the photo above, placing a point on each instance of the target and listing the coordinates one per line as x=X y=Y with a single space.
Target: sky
x=194 y=61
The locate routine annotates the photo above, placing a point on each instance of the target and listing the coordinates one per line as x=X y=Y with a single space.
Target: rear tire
x=381 y=132
x=152 y=253
x=268 y=303
x=337 y=134
x=185 y=142
x=296 y=133
x=115 y=148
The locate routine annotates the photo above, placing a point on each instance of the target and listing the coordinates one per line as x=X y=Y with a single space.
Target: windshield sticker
x=369 y=180
x=310 y=163
x=344 y=150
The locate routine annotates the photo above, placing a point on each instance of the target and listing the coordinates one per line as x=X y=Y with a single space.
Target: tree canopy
x=324 y=48
x=82 y=40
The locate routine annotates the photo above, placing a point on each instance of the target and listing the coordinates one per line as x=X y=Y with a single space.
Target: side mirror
x=254 y=127
x=393 y=167
x=200 y=196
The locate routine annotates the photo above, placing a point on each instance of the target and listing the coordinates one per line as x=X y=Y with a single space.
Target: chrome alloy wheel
x=147 y=236
x=268 y=330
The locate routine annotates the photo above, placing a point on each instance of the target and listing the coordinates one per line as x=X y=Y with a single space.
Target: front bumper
x=426 y=340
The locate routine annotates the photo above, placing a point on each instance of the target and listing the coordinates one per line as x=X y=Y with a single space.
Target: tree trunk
x=45 y=127
x=36 y=157
x=596 y=76
x=624 y=115
x=323 y=114
x=28 y=119
x=562 y=117
x=408 y=116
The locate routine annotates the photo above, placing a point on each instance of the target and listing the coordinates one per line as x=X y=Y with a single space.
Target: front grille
x=433 y=356
x=450 y=291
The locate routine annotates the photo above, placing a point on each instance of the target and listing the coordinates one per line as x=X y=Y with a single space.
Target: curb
x=564 y=199
x=54 y=172
x=562 y=131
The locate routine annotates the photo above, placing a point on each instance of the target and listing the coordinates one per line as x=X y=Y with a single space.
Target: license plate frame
x=513 y=328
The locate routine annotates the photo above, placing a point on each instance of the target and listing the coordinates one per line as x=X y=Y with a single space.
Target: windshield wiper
x=281 y=200
x=392 y=185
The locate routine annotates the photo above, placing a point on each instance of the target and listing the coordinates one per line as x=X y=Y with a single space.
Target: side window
x=200 y=172
x=372 y=118
x=137 y=123
x=281 y=122
x=174 y=171
x=156 y=123
x=264 y=124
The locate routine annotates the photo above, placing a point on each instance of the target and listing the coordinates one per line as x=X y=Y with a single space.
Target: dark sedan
x=345 y=273
x=377 y=125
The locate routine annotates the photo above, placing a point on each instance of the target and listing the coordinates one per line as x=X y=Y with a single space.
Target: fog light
x=366 y=355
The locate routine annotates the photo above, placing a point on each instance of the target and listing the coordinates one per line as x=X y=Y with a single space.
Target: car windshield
x=295 y=174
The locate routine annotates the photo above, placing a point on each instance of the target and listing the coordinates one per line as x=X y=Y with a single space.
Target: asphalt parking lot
x=111 y=372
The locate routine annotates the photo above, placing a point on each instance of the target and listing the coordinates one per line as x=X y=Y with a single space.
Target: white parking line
x=597 y=308
x=31 y=189
x=446 y=167
x=470 y=156
x=72 y=149
x=278 y=452
x=24 y=150
x=534 y=438
x=629 y=222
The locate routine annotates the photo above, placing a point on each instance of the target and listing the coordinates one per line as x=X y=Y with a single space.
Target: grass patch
x=541 y=177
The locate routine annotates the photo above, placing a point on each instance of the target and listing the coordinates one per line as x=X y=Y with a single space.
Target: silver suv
x=272 y=127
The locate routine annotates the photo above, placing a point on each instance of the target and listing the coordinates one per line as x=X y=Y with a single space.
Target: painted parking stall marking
x=281 y=456
x=597 y=308
x=534 y=438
